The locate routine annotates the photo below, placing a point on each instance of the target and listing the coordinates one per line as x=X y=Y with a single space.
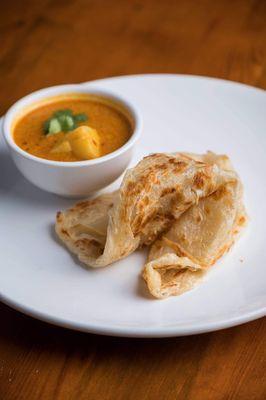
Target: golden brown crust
x=202 y=234
x=153 y=197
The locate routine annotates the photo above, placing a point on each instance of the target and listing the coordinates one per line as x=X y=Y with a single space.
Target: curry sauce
x=113 y=127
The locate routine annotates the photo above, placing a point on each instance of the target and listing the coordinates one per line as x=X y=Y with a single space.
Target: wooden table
x=44 y=43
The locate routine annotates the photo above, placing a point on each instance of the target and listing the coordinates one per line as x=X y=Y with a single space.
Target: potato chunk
x=85 y=143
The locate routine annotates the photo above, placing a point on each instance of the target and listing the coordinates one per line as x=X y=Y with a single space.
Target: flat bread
x=152 y=197
x=179 y=259
x=83 y=228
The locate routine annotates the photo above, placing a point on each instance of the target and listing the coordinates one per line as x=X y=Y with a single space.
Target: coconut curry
x=72 y=128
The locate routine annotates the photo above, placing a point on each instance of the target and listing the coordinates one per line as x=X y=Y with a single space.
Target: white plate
x=40 y=278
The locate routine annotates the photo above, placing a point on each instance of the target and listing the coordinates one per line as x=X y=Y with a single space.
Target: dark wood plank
x=51 y=42
x=38 y=361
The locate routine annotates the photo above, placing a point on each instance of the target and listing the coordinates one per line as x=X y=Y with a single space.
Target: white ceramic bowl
x=72 y=179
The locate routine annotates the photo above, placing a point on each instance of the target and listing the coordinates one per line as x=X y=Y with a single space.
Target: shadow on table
x=26 y=332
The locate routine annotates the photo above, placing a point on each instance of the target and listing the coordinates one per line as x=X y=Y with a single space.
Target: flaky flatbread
x=152 y=197
x=181 y=256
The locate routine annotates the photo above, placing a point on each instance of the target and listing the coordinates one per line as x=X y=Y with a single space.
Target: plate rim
x=183 y=76
x=126 y=331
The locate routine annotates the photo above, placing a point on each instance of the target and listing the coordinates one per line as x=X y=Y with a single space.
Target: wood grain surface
x=43 y=43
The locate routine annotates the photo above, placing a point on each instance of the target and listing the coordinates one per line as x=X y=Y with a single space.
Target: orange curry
x=112 y=128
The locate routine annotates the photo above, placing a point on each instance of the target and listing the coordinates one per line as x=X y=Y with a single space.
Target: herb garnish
x=63 y=121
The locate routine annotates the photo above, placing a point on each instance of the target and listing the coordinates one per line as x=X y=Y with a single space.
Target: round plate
x=39 y=276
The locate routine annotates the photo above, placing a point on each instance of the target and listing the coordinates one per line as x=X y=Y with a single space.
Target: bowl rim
x=57 y=90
